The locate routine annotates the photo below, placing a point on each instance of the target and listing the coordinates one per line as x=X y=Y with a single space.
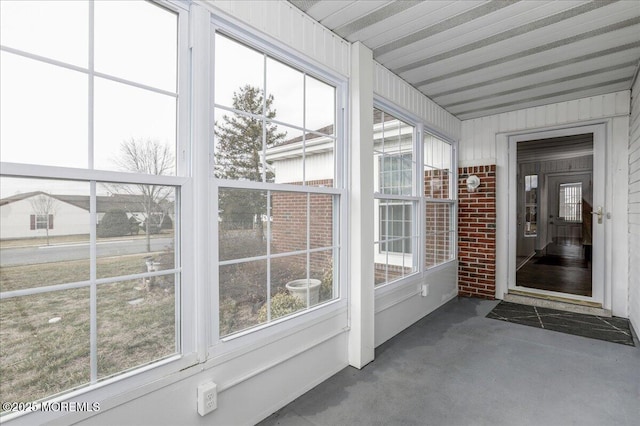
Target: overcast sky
x=44 y=109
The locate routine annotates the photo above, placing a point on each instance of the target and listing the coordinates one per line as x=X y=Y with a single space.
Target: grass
x=136 y=322
x=39 y=359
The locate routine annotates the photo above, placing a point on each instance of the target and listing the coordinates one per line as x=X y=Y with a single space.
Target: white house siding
x=478 y=145
x=67 y=220
x=634 y=207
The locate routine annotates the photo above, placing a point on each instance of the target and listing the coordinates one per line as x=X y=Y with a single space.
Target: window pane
x=570 y=202
x=393 y=155
x=321 y=228
x=320 y=106
x=239 y=147
x=243 y=289
x=285 y=89
x=118 y=52
x=135 y=326
x=52 y=250
x=135 y=231
x=284 y=154
x=42 y=109
x=440 y=233
x=437 y=161
x=135 y=129
x=242 y=223
x=321 y=268
x=57 y=30
x=289 y=213
x=44 y=345
x=239 y=76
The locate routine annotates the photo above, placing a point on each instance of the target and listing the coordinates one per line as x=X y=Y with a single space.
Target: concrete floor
x=456 y=367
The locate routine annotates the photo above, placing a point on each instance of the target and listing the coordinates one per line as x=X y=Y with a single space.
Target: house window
x=277 y=189
x=395 y=197
x=102 y=299
x=531 y=205
x=570 y=202
x=440 y=204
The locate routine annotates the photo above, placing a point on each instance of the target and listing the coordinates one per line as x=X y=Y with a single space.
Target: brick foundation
x=477 y=233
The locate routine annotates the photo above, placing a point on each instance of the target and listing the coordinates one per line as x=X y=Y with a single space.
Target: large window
x=570 y=202
x=440 y=205
x=89 y=144
x=395 y=197
x=276 y=186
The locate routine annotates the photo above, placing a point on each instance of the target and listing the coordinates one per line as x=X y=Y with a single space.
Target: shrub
x=282 y=304
x=134 y=226
x=114 y=223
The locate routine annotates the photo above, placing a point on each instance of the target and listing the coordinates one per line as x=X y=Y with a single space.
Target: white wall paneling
x=392 y=88
x=634 y=207
x=484 y=140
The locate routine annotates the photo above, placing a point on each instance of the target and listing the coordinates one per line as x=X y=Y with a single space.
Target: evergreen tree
x=239 y=154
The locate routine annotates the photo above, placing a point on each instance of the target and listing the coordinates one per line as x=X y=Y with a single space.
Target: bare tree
x=150 y=157
x=44 y=205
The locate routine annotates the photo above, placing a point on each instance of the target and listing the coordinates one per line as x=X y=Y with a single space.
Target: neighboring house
x=33 y=214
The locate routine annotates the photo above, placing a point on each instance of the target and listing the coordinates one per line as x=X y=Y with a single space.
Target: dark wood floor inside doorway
x=564 y=267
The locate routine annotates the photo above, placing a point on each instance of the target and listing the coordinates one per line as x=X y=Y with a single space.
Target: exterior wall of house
x=634 y=207
x=477 y=233
x=483 y=142
x=67 y=220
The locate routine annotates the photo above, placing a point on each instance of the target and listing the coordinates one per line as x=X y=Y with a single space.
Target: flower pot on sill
x=298 y=288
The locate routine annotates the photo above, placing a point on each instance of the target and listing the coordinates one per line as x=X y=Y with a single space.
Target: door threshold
x=556 y=302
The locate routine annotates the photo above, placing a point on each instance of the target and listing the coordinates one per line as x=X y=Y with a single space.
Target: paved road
x=76 y=251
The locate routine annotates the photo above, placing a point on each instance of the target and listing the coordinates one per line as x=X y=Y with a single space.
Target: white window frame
x=391 y=258
x=157 y=373
x=452 y=201
x=421 y=129
x=243 y=341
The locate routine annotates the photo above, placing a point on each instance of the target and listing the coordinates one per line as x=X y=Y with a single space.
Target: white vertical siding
x=289 y=25
x=391 y=87
x=634 y=207
x=478 y=144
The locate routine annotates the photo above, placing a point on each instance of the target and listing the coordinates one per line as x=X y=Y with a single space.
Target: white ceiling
x=476 y=58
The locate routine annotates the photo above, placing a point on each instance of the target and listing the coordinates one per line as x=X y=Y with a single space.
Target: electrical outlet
x=425 y=290
x=207 y=398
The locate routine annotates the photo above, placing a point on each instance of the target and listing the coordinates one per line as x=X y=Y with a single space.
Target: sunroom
x=210 y=207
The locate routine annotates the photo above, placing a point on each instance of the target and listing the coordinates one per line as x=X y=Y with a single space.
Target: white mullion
x=90 y=70
x=93 y=291
x=283 y=187
x=91 y=83
x=268 y=256
x=264 y=118
x=393 y=197
x=69 y=173
x=304 y=133
x=93 y=215
x=275 y=255
x=81 y=284
x=308 y=249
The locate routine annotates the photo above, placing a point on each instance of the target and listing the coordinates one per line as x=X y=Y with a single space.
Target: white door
x=564 y=223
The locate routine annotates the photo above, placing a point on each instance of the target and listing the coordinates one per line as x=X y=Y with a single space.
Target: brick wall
x=289 y=225
x=477 y=233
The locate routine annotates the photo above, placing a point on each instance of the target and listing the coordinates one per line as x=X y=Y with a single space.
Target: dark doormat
x=614 y=329
x=562 y=261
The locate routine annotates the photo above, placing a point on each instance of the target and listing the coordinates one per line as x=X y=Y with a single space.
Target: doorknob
x=599 y=213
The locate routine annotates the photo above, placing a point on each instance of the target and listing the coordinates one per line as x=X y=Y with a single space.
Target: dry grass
x=39 y=359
